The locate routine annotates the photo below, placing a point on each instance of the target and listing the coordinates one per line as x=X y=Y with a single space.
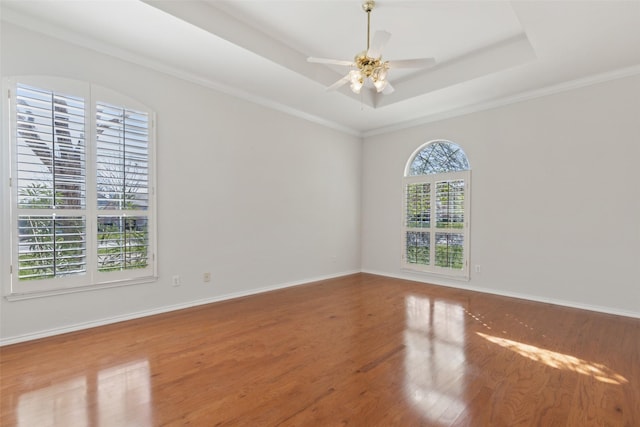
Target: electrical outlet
x=206 y=277
x=477 y=268
x=176 y=281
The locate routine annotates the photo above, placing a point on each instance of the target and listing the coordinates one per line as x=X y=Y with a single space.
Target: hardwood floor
x=362 y=350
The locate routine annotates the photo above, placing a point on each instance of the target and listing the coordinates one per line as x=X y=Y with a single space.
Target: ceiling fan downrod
x=368 y=6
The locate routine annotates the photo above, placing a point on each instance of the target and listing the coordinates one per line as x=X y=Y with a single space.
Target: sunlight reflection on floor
x=121 y=393
x=558 y=360
x=63 y=403
x=435 y=358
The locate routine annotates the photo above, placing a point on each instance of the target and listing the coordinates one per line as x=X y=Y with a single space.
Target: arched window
x=436 y=210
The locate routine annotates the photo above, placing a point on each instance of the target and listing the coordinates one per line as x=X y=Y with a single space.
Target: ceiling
x=487 y=52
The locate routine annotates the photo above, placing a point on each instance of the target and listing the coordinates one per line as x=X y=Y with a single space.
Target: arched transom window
x=436 y=210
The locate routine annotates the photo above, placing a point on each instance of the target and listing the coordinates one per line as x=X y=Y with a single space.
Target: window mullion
x=91 y=190
x=432 y=224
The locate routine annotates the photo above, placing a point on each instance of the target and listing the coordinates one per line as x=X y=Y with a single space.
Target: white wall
x=555 y=207
x=258 y=198
x=270 y=200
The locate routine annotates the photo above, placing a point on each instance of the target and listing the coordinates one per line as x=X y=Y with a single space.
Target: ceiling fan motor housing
x=369 y=66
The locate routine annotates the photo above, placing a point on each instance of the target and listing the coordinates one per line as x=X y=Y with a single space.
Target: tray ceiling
x=487 y=52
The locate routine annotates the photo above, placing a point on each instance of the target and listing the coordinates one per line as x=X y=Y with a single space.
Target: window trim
x=432 y=269
x=92 y=279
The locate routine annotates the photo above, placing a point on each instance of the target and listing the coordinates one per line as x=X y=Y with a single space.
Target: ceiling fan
x=368 y=64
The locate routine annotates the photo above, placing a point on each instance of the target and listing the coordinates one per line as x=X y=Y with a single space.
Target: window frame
x=92 y=278
x=432 y=179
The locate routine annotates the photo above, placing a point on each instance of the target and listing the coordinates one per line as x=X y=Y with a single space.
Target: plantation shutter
x=122 y=187
x=449 y=248
x=418 y=217
x=50 y=183
x=434 y=223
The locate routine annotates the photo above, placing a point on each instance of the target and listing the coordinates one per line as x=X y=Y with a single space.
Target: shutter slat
x=122 y=242
x=450 y=204
x=51 y=246
x=48 y=168
x=122 y=158
x=418 y=208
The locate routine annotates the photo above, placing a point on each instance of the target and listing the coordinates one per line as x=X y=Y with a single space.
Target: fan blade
x=330 y=61
x=339 y=83
x=380 y=39
x=413 y=63
x=388 y=90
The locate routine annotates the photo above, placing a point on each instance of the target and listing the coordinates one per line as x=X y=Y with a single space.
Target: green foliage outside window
x=53 y=245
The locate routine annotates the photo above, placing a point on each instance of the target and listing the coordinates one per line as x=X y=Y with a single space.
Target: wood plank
x=358 y=350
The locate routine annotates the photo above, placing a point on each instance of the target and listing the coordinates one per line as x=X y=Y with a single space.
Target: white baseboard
x=536 y=298
x=430 y=280
x=164 y=309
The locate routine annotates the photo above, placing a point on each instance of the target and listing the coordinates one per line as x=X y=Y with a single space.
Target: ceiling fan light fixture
x=355 y=76
x=357 y=80
x=356 y=87
x=379 y=76
x=379 y=72
x=380 y=85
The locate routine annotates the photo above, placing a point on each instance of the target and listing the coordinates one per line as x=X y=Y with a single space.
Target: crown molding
x=57 y=32
x=501 y=102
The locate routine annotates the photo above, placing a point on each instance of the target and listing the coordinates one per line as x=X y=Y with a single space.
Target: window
x=436 y=210
x=82 y=187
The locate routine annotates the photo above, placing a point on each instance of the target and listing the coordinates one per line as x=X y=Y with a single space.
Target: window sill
x=462 y=277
